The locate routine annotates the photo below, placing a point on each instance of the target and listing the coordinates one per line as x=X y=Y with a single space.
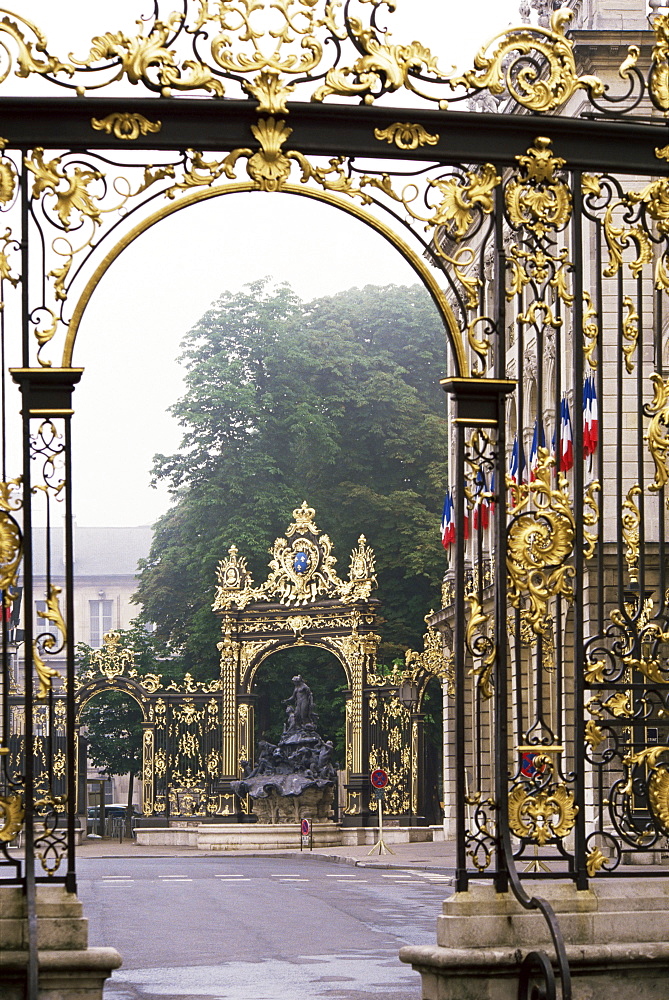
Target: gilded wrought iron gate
x=540 y=232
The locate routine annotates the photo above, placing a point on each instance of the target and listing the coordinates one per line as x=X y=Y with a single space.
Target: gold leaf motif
x=480 y=646
x=383 y=68
x=70 y=190
x=125 y=125
x=540 y=542
x=53 y=614
x=593 y=734
x=594 y=671
x=406 y=136
x=538 y=199
x=619 y=704
x=631 y=519
x=12 y=814
x=270 y=92
x=590 y=517
x=658 y=798
x=27 y=61
x=591 y=184
x=594 y=861
x=658 y=431
x=138 y=55
x=658 y=81
x=203 y=173
x=630 y=333
x=461 y=196
x=45 y=673
x=7 y=178
x=590 y=330
x=11 y=543
x=532 y=88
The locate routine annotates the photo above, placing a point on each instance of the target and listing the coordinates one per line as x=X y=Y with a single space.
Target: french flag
x=566 y=457
x=493 y=481
x=590 y=417
x=517 y=463
x=538 y=441
x=448 y=521
x=481 y=502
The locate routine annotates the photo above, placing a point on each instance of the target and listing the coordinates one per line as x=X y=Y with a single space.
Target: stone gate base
x=270 y=836
x=617 y=937
x=68 y=968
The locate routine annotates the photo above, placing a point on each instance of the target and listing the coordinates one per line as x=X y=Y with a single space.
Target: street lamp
x=408 y=693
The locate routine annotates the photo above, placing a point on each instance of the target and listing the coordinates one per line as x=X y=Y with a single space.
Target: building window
x=43 y=626
x=100 y=615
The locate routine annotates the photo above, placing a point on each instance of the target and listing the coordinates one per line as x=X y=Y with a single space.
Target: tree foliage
x=336 y=402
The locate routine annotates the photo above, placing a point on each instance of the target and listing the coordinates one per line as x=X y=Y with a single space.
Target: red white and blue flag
x=590 y=417
x=566 y=456
x=481 y=502
x=517 y=463
x=448 y=521
x=538 y=441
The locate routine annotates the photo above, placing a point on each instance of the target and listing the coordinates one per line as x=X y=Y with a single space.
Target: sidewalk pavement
x=439 y=855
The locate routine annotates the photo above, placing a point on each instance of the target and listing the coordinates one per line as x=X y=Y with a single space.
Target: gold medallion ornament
x=657 y=782
x=540 y=543
x=538 y=199
x=658 y=83
x=302 y=569
x=541 y=815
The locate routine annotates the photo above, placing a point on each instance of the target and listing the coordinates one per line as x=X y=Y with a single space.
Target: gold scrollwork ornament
x=658 y=431
x=538 y=89
x=125 y=125
x=590 y=330
x=406 y=136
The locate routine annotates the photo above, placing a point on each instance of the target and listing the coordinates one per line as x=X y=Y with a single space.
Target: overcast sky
x=161 y=285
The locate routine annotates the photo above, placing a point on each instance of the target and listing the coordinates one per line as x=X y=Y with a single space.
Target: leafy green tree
x=336 y=402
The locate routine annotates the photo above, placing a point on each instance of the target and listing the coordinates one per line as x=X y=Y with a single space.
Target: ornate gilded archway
x=303 y=602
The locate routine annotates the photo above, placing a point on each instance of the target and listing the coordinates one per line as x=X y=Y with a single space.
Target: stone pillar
x=615 y=935
x=68 y=968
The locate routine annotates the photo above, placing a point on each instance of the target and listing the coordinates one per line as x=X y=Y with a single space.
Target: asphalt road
x=228 y=928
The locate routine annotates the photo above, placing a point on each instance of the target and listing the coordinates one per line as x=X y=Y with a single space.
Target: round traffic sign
x=305 y=827
x=378 y=778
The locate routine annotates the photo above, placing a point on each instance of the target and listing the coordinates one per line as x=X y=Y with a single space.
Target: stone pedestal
x=68 y=968
x=264 y=836
x=616 y=935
